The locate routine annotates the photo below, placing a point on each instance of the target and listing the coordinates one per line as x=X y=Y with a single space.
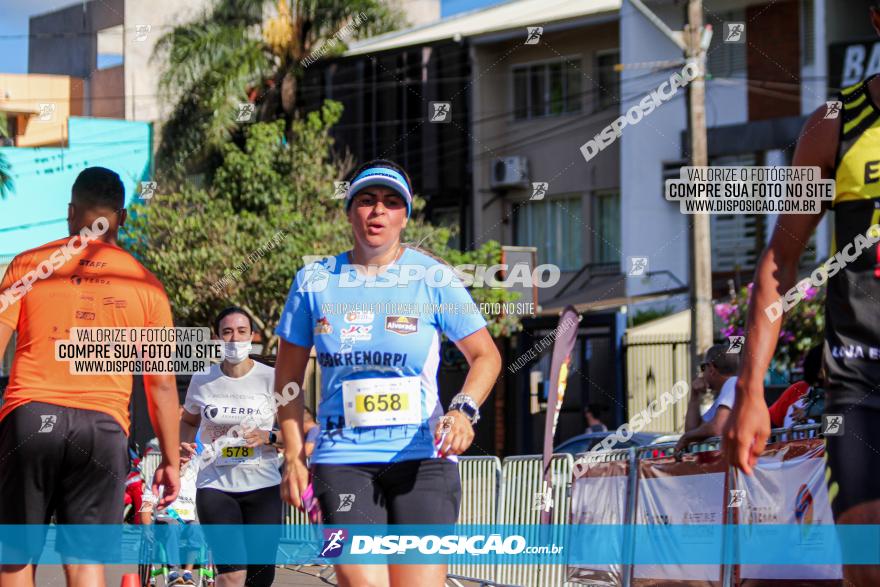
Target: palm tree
x=5 y=176
x=252 y=51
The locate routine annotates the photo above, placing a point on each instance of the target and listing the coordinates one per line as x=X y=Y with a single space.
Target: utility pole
x=701 y=247
x=694 y=41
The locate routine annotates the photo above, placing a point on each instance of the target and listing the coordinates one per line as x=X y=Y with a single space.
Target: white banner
x=686 y=499
x=598 y=496
x=789 y=489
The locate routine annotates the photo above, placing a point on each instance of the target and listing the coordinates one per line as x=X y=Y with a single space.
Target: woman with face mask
x=233 y=408
x=386 y=452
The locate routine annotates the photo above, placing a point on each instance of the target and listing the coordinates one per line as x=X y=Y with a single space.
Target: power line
x=565 y=126
x=31 y=225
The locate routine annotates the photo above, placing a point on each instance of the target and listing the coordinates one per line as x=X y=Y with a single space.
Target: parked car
x=585 y=442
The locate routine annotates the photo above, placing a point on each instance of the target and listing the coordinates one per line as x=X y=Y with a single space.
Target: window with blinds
x=608 y=79
x=726 y=59
x=554 y=227
x=549 y=88
x=808 y=33
x=606 y=227
x=737 y=239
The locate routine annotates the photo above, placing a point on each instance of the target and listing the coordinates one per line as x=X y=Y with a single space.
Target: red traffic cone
x=130 y=580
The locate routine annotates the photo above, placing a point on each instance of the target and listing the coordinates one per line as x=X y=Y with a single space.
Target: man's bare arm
x=164 y=406
x=746 y=432
x=692 y=418
x=777 y=268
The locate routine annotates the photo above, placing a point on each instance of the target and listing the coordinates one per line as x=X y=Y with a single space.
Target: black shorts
x=853 y=458
x=66 y=462
x=406 y=492
x=257 y=506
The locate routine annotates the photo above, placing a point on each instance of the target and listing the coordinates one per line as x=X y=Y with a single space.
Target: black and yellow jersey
x=852 y=350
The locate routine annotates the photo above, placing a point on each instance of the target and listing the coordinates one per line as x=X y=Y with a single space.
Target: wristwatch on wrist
x=273 y=438
x=467 y=406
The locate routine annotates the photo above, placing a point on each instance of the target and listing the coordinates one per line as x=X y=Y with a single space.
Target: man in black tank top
x=852 y=355
x=844 y=141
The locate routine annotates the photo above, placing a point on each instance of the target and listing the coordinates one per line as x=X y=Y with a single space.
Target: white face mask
x=236 y=352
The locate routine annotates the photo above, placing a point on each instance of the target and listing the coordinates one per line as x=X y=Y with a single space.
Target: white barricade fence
x=480 y=484
x=788 y=487
x=149 y=464
x=622 y=487
x=522 y=480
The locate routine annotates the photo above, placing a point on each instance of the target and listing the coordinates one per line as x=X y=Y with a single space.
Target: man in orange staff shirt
x=63 y=437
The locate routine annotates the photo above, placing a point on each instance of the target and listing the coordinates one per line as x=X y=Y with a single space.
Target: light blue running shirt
x=366 y=333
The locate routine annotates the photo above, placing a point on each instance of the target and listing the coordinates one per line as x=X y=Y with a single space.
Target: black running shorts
x=63 y=462
x=255 y=506
x=407 y=492
x=853 y=458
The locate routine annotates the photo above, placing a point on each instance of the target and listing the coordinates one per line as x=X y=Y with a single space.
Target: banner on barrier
x=689 y=492
x=598 y=496
x=788 y=487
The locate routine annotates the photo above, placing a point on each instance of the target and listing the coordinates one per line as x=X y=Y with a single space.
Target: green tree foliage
x=5 y=169
x=6 y=183
x=241 y=238
x=248 y=51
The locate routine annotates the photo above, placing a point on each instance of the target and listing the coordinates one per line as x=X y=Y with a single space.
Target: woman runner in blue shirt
x=375 y=315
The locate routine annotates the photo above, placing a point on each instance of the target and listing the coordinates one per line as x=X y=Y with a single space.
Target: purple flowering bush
x=803 y=326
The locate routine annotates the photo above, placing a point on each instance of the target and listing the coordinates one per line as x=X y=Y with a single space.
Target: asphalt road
x=53 y=576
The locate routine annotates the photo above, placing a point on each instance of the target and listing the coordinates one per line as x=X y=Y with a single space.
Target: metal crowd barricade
x=149 y=464
x=480 y=484
x=710 y=444
x=504 y=493
x=297 y=533
x=794 y=433
x=298 y=540
x=521 y=480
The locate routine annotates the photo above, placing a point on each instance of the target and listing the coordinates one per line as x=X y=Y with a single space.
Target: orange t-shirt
x=101 y=286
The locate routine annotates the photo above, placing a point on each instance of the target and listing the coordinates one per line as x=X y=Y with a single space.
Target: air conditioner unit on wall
x=509 y=172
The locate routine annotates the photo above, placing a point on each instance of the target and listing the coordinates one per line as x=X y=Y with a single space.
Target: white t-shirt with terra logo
x=225 y=403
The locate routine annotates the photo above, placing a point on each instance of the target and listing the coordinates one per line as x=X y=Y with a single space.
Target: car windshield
x=580 y=445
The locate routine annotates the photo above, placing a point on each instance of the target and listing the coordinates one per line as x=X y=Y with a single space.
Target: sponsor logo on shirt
x=87 y=301
x=210 y=412
x=81 y=315
x=114 y=302
x=322 y=326
x=79 y=279
x=359 y=317
x=360 y=358
x=90 y=263
x=402 y=324
x=356 y=332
